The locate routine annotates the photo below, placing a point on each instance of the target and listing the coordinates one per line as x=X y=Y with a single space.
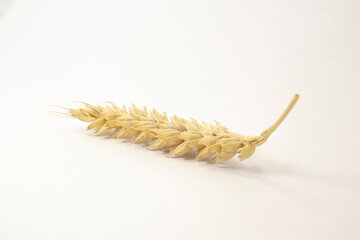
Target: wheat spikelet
x=175 y=135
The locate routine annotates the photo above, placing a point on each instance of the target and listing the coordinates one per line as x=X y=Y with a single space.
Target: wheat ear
x=175 y=135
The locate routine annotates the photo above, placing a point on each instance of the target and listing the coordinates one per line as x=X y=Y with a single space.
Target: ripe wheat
x=175 y=135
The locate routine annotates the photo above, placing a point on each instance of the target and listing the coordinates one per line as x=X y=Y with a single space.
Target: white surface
x=238 y=62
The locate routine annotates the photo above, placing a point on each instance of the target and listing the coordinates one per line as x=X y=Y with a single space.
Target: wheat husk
x=175 y=135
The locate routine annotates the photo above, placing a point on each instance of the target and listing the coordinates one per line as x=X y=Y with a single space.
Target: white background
x=238 y=62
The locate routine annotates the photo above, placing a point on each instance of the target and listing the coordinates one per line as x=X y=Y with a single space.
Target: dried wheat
x=175 y=135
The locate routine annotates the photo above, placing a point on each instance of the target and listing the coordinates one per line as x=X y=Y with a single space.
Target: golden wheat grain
x=175 y=135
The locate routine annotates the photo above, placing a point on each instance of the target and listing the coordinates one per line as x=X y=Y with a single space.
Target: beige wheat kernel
x=175 y=135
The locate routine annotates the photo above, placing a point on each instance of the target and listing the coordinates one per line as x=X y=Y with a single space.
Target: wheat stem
x=273 y=127
x=265 y=134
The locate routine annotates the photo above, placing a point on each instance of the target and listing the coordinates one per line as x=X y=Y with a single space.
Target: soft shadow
x=256 y=167
x=272 y=167
x=288 y=178
x=5 y=6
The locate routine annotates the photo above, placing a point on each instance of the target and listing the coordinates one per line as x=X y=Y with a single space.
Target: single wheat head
x=174 y=135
